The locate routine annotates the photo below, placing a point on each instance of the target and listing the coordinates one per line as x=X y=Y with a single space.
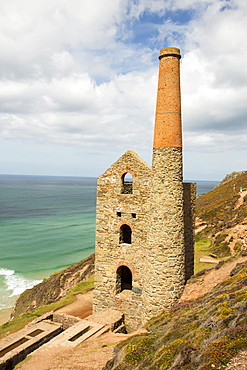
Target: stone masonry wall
x=165 y=275
x=160 y=255
x=113 y=210
x=189 y=225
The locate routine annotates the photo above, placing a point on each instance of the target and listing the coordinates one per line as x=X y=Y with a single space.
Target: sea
x=47 y=223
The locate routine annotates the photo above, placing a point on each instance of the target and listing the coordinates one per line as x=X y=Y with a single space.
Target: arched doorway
x=125 y=234
x=124 y=279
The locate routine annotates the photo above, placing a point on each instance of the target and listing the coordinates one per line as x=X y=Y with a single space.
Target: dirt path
x=89 y=355
x=82 y=307
x=240 y=200
x=209 y=281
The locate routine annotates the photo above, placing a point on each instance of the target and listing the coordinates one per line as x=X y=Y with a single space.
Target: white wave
x=6 y=272
x=17 y=284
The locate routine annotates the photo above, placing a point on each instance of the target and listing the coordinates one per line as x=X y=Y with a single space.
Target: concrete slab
x=108 y=316
x=76 y=334
x=208 y=259
x=55 y=330
x=15 y=348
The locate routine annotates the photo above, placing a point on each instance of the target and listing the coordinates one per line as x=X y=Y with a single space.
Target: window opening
x=125 y=234
x=133 y=215
x=127 y=183
x=124 y=279
x=119 y=214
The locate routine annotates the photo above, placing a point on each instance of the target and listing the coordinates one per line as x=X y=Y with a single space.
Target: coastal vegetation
x=218 y=209
x=195 y=335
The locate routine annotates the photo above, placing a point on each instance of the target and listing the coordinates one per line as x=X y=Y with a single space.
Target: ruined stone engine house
x=145 y=217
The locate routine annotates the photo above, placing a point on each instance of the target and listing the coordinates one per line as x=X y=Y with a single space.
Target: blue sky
x=78 y=82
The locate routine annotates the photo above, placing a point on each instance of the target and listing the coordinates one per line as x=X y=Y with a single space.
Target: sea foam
x=6 y=272
x=16 y=283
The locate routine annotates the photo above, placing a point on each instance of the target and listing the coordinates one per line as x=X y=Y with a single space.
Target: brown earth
x=90 y=355
x=240 y=200
x=209 y=280
x=82 y=307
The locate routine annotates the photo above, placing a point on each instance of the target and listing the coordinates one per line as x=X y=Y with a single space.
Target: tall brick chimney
x=167 y=131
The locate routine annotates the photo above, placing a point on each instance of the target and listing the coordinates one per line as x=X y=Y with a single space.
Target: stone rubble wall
x=189 y=226
x=157 y=255
x=66 y=320
x=165 y=272
x=110 y=254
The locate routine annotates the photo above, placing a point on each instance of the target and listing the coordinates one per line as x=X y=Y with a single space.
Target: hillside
x=230 y=176
x=195 y=335
x=221 y=216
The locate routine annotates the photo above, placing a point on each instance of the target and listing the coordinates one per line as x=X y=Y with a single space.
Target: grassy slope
x=216 y=209
x=195 y=335
x=217 y=206
x=201 y=248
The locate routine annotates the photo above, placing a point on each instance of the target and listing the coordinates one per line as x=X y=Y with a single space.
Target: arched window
x=125 y=234
x=127 y=183
x=124 y=279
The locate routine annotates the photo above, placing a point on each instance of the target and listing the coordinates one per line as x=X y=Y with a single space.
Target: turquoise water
x=46 y=223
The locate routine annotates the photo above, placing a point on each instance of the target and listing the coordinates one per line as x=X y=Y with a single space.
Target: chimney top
x=170 y=51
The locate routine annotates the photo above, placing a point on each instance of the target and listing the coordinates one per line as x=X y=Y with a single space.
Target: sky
x=78 y=83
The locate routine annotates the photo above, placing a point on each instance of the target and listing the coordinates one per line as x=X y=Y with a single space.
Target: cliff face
x=55 y=287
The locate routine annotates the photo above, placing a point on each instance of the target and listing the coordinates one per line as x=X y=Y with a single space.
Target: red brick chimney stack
x=168 y=131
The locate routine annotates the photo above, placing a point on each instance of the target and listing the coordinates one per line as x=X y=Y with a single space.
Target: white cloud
x=214 y=72
x=83 y=74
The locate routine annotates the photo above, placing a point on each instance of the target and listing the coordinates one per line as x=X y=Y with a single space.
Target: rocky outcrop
x=230 y=176
x=55 y=287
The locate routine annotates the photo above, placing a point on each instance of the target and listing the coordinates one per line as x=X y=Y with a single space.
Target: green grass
x=201 y=249
x=20 y=321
